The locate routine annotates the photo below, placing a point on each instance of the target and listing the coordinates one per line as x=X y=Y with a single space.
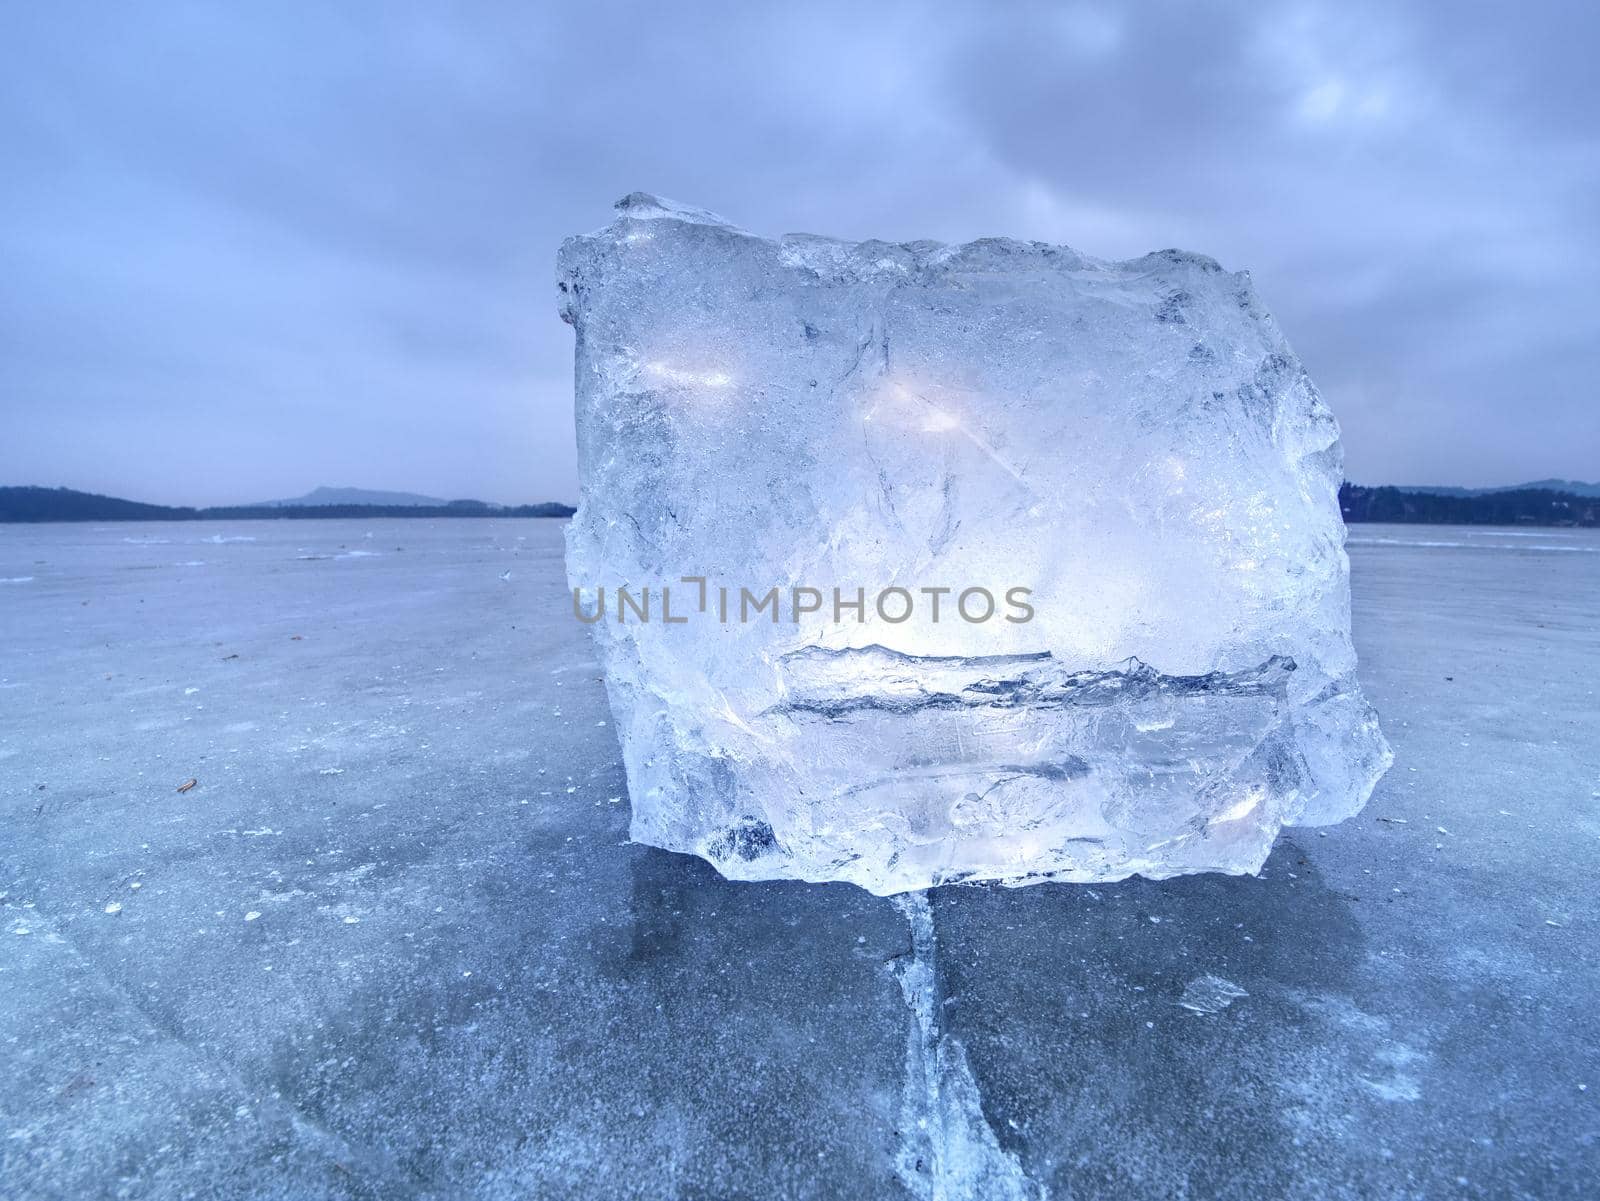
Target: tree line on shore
x=1358 y=503
x=1521 y=506
x=64 y=504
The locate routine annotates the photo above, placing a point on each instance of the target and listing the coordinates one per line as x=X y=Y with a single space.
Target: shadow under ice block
x=983 y=562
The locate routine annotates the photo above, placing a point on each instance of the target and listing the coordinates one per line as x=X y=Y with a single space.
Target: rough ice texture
x=1133 y=441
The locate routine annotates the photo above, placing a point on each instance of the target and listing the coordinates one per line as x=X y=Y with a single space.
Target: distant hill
x=1568 y=487
x=1436 y=490
x=353 y=496
x=1573 y=487
x=64 y=504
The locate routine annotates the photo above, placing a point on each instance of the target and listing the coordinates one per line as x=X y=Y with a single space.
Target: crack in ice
x=948 y=1150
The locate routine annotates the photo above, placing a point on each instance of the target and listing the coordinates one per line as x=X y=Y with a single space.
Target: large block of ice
x=1132 y=444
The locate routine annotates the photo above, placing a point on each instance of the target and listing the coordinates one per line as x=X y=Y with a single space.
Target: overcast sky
x=246 y=249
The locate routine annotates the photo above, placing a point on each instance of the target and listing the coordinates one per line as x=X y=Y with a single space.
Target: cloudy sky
x=251 y=248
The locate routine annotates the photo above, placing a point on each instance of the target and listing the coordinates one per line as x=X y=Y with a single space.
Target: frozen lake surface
x=394 y=942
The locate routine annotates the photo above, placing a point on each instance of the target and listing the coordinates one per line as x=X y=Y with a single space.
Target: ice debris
x=1210 y=994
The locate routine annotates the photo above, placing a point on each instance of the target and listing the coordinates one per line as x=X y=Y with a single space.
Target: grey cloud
x=296 y=244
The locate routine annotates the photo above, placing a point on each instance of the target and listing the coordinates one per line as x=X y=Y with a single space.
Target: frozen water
x=914 y=563
x=532 y=1006
x=1210 y=994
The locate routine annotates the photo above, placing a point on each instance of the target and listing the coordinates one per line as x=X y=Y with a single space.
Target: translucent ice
x=1210 y=994
x=912 y=563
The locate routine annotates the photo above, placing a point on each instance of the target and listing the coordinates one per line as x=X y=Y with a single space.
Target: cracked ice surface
x=1134 y=442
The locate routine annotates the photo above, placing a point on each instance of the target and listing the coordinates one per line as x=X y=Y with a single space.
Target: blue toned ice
x=870 y=439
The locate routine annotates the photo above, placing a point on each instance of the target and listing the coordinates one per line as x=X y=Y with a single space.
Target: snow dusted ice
x=983 y=562
x=531 y=1005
